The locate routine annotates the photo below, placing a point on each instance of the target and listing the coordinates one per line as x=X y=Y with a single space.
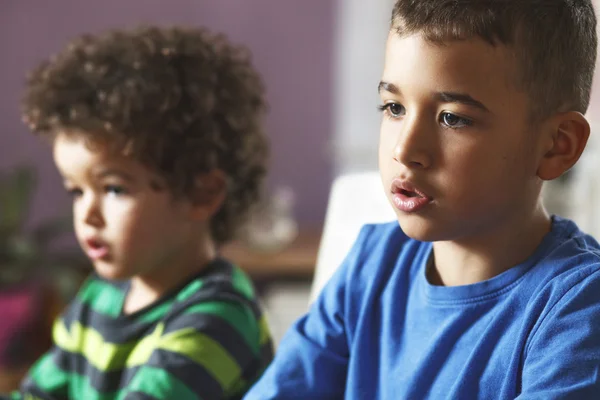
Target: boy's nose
x=412 y=148
x=90 y=212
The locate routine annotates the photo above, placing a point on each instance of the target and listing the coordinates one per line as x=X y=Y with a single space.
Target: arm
x=46 y=380
x=563 y=358
x=212 y=351
x=52 y=375
x=312 y=359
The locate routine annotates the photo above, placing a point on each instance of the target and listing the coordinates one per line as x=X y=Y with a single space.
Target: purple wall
x=292 y=46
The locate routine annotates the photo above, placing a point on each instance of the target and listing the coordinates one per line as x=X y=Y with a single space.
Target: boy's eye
x=74 y=192
x=115 y=189
x=393 y=109
x=454 y=121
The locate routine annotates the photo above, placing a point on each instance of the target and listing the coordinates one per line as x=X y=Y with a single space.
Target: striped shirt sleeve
x=46 y=380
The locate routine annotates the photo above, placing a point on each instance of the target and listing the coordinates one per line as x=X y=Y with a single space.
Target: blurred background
x=321 y=61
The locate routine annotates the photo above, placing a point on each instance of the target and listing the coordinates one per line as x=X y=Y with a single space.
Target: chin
x=420 y=229
x=110 y=271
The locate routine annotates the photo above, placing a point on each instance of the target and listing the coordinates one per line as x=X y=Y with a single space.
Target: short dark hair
x=554 y=41
x=183 y=101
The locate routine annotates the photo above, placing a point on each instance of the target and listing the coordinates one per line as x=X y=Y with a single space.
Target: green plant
x=27 y=253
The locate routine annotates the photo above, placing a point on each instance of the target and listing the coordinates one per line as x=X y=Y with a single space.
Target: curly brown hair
x=183 y=101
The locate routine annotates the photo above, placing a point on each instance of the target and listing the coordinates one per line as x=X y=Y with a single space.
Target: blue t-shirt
x=380 y=330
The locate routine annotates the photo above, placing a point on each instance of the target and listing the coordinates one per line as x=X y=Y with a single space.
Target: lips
x=408 y=198
x=96 y=249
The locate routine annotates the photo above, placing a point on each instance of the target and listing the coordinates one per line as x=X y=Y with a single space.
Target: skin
x=457 y=127
x=156 y=240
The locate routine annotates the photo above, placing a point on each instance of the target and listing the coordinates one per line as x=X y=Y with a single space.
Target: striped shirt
x=205 y=340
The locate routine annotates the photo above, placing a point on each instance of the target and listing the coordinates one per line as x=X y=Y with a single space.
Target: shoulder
x=222 y=284
x=566 y=280
x=571 y=258
x=564 y=311
x=221 y=304
x=221 y=281
x=219 y=325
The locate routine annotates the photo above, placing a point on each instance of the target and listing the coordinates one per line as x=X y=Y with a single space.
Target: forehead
x=73 y=155
x=469 y=66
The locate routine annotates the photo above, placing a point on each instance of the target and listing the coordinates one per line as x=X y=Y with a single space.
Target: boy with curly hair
x=475 y=292
x=157 y=133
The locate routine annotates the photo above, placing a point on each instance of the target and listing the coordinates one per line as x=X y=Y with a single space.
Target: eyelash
x=385 y=108
x=114 y=189
x=74 y=192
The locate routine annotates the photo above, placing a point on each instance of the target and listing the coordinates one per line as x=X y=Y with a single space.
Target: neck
x=148 y=288
x=475 y=259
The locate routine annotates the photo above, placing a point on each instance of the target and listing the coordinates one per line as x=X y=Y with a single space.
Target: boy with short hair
x=158 y=135
x=476 y=292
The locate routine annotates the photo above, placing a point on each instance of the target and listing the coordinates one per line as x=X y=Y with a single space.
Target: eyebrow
x=388 y=87
x=446 y=97
x=104 y=173
x=462 y=98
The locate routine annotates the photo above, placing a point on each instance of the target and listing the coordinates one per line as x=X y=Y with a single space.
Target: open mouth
x=94 y=244
x=407 y=198
x=409 y=194
x=96 y=249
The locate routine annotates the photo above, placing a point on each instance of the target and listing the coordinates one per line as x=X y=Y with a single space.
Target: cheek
x=149 y=225
x=125 y=221
x=79 y=215
x=475 y=175
x=386 y=145
x=490 y=184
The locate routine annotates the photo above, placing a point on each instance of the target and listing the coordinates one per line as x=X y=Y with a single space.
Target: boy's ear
x=208 y=194
x=566 y=139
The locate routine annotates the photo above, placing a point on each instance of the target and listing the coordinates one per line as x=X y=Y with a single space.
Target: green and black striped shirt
x=206 y=340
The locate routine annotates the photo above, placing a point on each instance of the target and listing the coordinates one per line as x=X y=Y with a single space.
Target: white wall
x=584 y=193
x=359 y=44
